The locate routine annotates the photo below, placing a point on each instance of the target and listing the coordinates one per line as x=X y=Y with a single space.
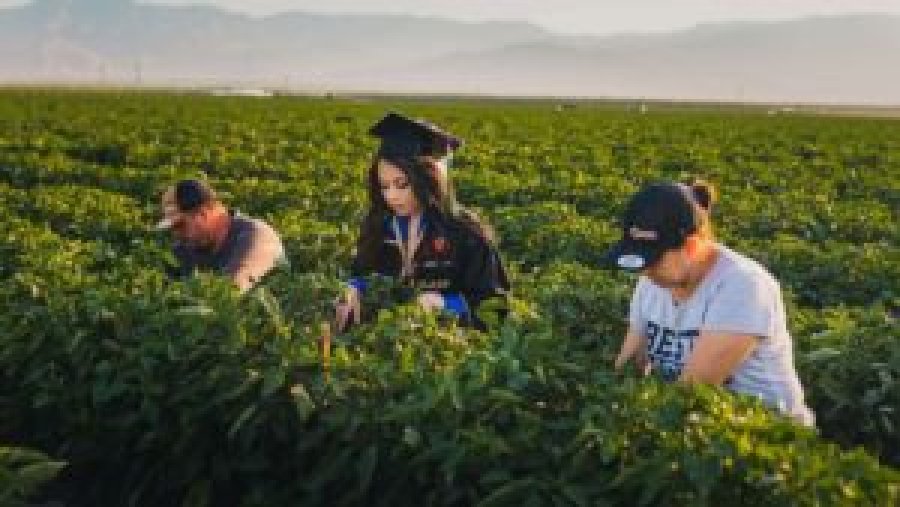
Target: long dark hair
x=434 y=193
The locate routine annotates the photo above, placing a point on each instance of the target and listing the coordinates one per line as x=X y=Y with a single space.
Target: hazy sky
x=567 y=16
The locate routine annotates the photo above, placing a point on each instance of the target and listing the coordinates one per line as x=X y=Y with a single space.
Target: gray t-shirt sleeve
x=635 y=314
x=744 y=304
x=256 y=251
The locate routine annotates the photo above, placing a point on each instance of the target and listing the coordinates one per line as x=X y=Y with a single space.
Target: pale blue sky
x=567 y=16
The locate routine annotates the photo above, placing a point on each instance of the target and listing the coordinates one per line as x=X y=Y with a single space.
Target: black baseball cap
x=405 y=138
x=184 y=197
x=658 y=218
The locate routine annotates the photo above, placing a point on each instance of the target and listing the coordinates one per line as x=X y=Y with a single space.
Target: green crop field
x=118 y=387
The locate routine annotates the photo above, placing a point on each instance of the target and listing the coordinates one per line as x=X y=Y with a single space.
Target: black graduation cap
x=404 y=137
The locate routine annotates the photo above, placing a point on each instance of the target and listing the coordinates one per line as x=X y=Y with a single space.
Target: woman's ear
x=204 y=213
x=437 y=167
x=692 y=245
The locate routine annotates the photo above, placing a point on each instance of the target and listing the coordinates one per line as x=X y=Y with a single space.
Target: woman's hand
x=633 y=347
x=431 y=301
x=347 y=309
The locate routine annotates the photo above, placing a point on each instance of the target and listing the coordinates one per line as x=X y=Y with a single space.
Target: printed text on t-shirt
x=668 y=349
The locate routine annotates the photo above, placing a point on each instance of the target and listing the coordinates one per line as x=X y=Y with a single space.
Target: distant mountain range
x=841 y=59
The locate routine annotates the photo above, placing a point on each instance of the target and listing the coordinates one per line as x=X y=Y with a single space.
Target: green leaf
x=238 y=423
x=509 y=493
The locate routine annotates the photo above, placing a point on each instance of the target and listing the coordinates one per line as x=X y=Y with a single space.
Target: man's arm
x=255 y=255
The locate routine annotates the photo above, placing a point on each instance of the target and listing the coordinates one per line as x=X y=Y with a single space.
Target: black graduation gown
x=450 y=259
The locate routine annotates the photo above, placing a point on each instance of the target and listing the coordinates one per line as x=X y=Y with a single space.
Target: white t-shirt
x=737 y=296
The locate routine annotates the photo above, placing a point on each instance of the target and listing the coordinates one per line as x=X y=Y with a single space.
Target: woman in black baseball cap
x=702 y=312
x=415 y=231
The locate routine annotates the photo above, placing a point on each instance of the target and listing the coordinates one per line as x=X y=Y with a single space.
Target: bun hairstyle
x=704 y=193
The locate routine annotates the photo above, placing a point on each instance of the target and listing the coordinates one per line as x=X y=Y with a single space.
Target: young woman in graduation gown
x=416 y=232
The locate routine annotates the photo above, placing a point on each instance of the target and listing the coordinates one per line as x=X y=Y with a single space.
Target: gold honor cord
x=408 y=248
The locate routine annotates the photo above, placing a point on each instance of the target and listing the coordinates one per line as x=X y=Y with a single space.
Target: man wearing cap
x=210 y=237
x=702 y=312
